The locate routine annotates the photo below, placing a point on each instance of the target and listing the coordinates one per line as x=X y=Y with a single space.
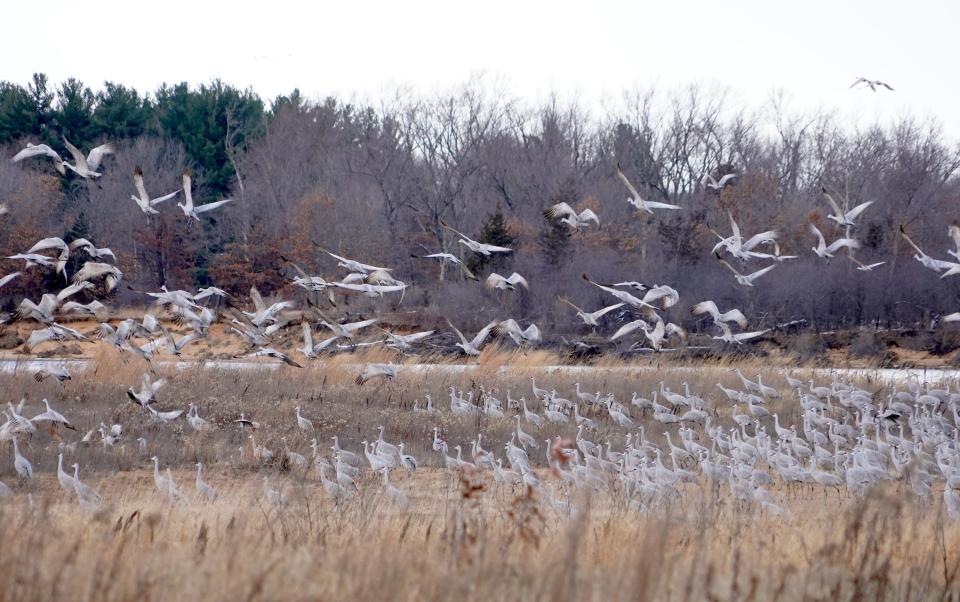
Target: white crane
x=638 y=201
x=302 y=423
x=20 y=464
x=191 y=210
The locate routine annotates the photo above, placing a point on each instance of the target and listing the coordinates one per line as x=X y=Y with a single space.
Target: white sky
x=810 y=50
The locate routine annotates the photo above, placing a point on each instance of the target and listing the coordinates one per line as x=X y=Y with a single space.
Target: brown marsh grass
x=486 y=542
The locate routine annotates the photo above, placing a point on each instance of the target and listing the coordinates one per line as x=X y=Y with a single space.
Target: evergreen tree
x=554 y=239
x=493 y=232
x=121 y=113
x=205 y=120
x=73 y=114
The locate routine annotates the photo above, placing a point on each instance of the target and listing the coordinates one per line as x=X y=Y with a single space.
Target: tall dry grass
x=452 y=543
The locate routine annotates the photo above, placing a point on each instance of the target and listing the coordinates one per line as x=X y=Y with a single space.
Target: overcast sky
x=811 y=50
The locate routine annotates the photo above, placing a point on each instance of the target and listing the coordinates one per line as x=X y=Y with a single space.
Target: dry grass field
x=463 y=536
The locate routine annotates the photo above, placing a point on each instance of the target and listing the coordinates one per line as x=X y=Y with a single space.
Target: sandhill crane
x=203 y=489
x=347 y=456
x=953 y=231
x=148 y=390
x=741 y=249
x=826 y=252
x=841 y=217
x=356 y=266
x=58 y=372
x=745 y=279
x=590 y=318
x=450 y=258
x=708 y=181
x=473 y=347
x=477 y=247
x=87 y=495
x=191 y=210
x=274 y=496
x=66 y=481
x=142 y=199
x=40 y=150
x=347 y=330
x=865 y=267
x=371 y=371
x=567 y=215
x=93 y=309
x=709 y=307
x=529 y=335
x=302 y=423
x=873 y=84
x=52 y=416
x=244 y=422
x=271 y=352
x=9 y=278
x=630 y=327
x=92 y=270
x=84 y=245
x=529 y=416
x=623 y=296
x=86 y=166
x=497 y=282
x=162 y=483
x=404 y=342
x=406 y=460
x=195 y=421
x=925 y=260
x=638 y=201
x=727 y=335
x=165 y=417
x=397 y=496
x=525 y=439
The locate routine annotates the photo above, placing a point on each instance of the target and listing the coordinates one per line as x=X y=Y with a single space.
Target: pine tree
x=493 y=232
x=555 y=237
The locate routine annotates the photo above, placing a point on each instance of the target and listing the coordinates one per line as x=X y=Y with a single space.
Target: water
x=881 y=375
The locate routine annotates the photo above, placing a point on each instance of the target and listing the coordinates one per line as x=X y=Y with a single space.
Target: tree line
x=378 y=181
